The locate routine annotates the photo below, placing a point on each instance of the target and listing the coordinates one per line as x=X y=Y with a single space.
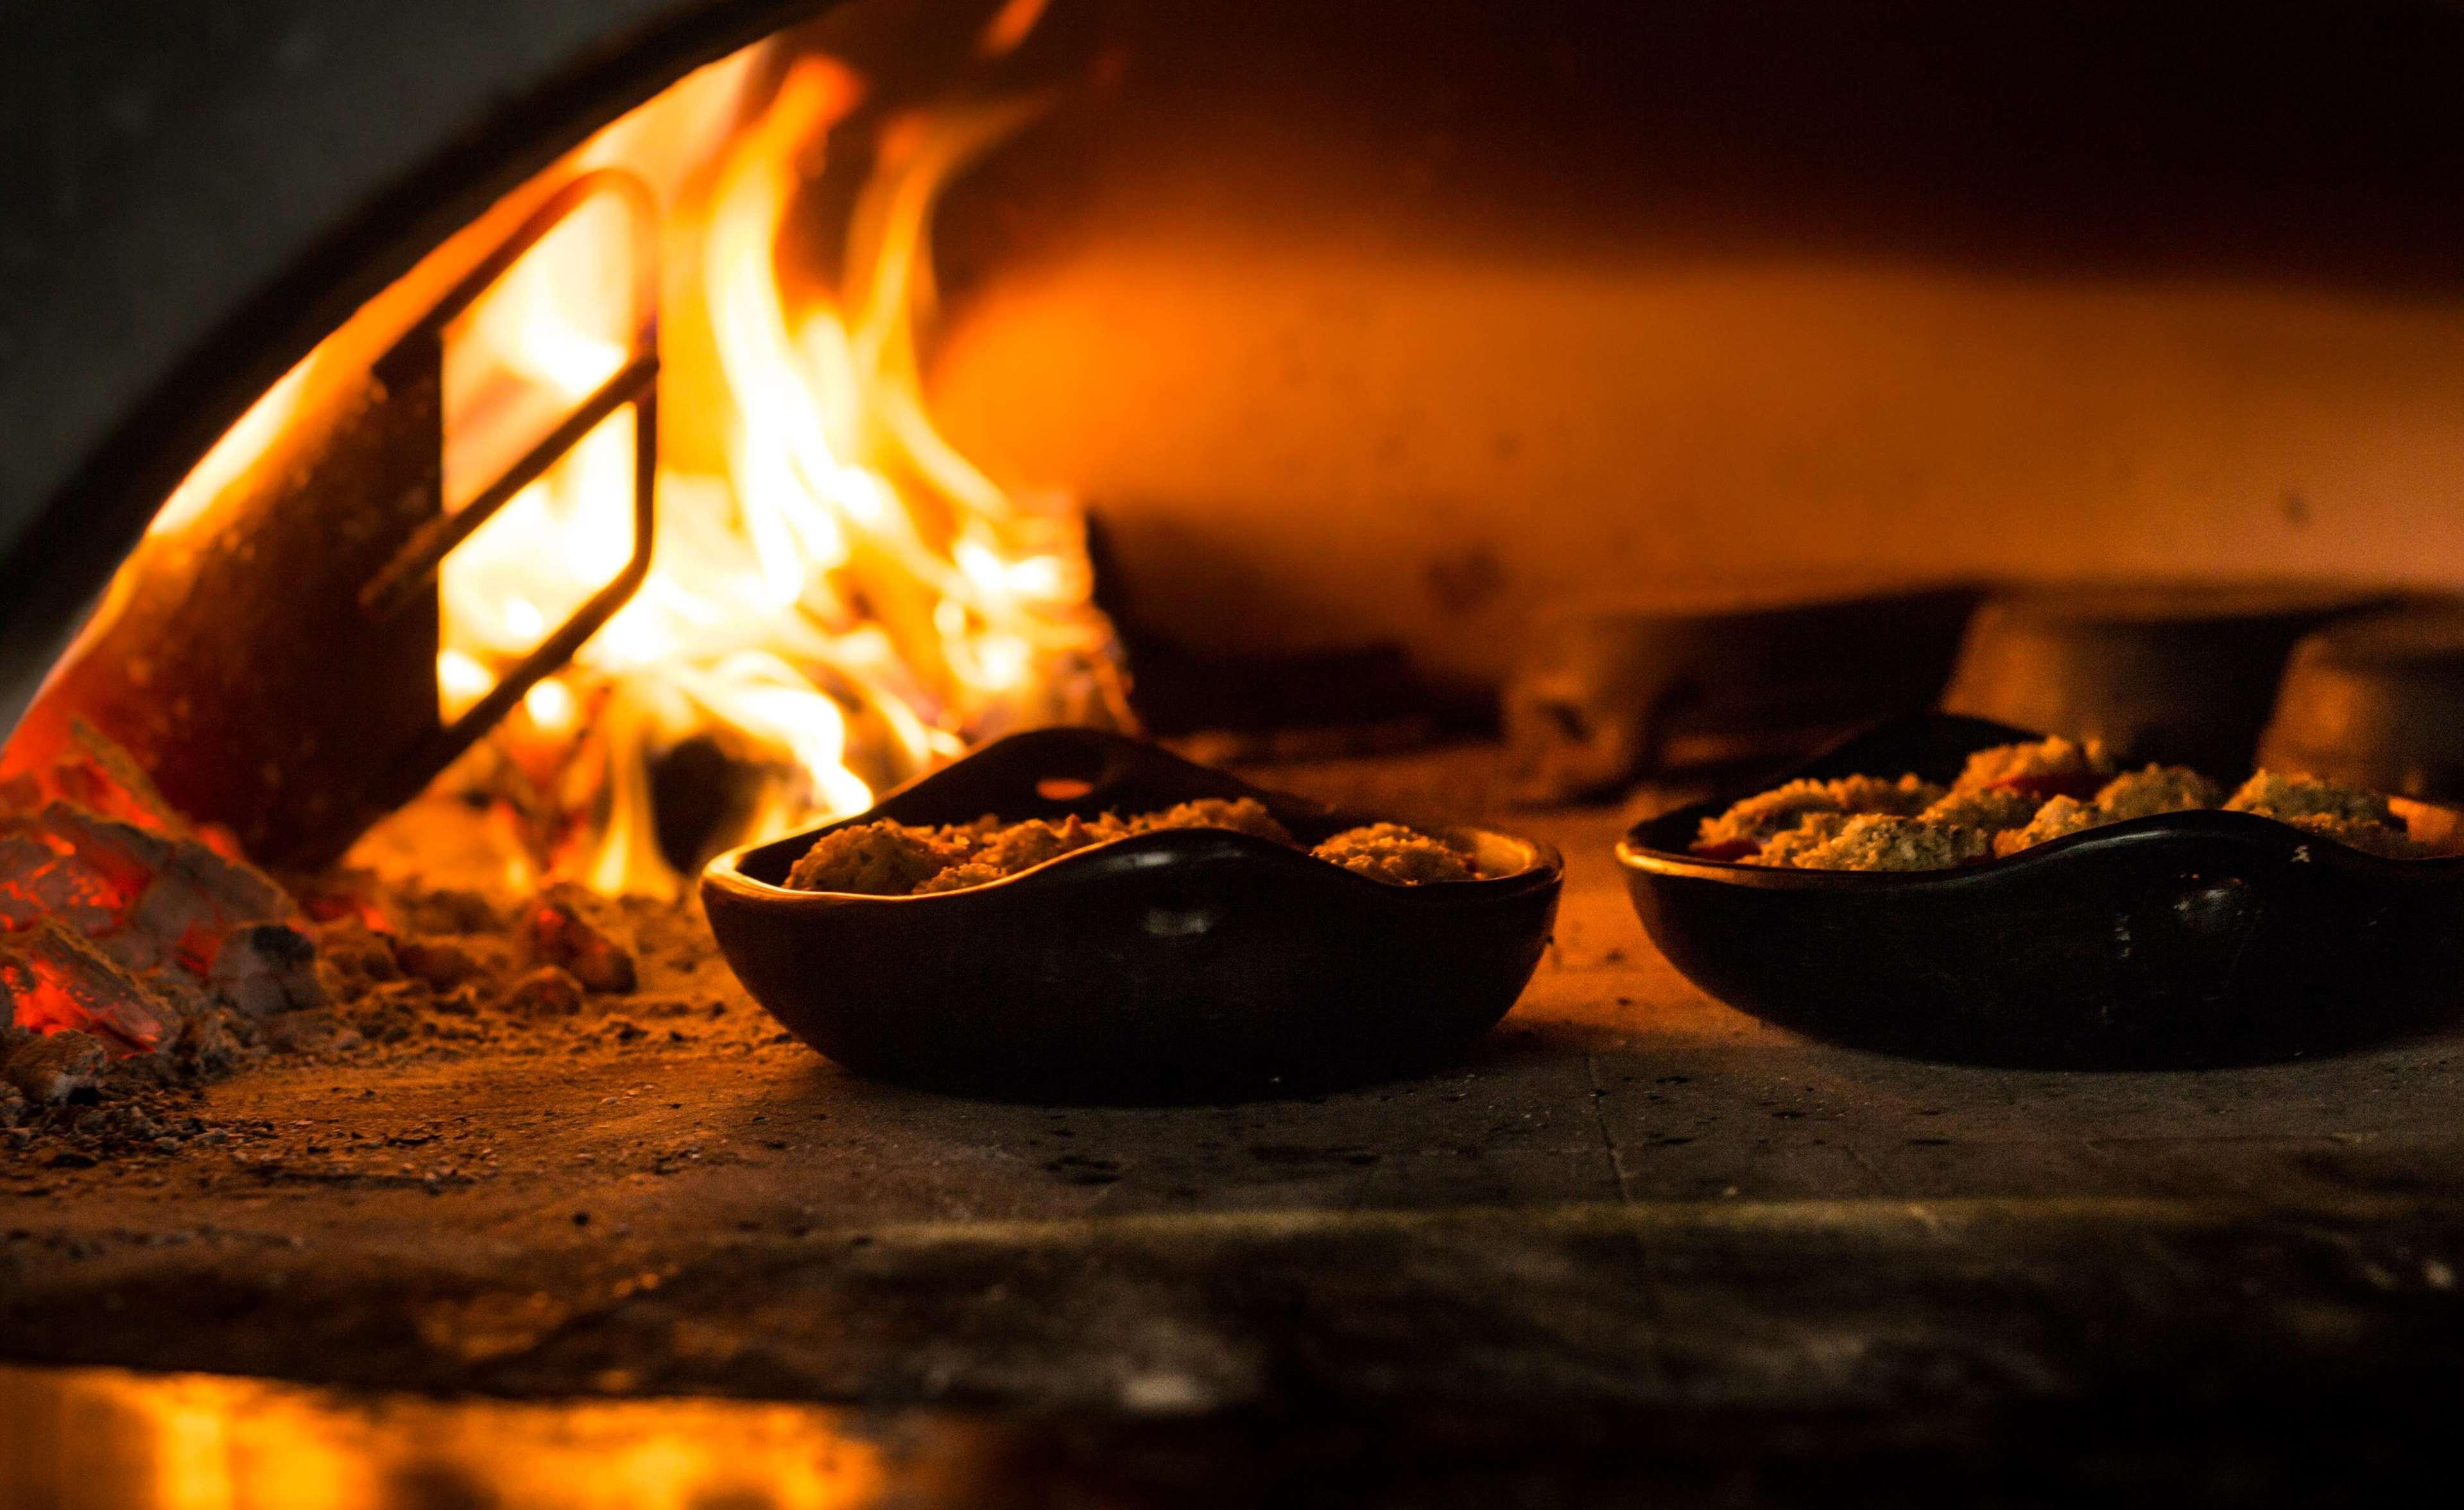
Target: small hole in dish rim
x=1063 y=789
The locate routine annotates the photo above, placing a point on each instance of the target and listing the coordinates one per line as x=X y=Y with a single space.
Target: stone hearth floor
x=1635 y=1206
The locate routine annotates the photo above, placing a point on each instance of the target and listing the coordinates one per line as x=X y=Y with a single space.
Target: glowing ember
x=837 y=598
x=118 y=918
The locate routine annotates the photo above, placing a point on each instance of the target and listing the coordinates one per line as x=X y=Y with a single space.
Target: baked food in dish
x=2013 y=797
x=888 y=858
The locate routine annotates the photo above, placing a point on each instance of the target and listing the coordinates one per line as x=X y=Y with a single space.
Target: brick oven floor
x=1639 y=1225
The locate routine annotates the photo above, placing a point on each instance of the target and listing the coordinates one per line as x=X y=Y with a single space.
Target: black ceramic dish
x=2188 y=940
x=1189 y=965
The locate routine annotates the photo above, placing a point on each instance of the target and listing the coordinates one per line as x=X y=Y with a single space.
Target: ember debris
x=441 y=963
x=49 y=1070
x=211 y=1047
x=267 y=969
x=448 y=911
x=355 y=955
x=547 y=992
x=140 y=961
x=559 y=932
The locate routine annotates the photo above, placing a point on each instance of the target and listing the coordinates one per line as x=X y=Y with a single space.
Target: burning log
x=53 y=980
x=35 y=884
x=168 y=900
x=100 y=777
x=120 y=919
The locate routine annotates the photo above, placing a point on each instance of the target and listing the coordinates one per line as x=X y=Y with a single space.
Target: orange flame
x=844 y=598
x=837 y=598
x=1009 y=27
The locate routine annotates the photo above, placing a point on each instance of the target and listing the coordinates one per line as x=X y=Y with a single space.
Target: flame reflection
x=104 y=1437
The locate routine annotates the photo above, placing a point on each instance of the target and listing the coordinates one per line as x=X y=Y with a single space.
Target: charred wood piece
x=559 y=932
x=268 y=968
x=120 y=918
x=48 y=1071
x=53 y=979
x=548 y=991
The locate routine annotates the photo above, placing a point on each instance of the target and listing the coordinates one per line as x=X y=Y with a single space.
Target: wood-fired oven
x=469 y=465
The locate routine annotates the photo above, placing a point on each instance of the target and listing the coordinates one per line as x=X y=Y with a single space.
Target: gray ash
x=140 y=963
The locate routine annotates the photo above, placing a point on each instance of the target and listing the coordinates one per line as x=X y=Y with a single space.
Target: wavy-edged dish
x=2184 y=940
x=1178 y=966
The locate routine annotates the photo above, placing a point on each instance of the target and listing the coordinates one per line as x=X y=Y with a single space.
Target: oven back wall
x=1400 y=325
x=1292 y=451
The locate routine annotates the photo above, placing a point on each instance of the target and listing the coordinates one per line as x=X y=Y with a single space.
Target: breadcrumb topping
x=1810 y=833
x=1241 y=814
x=876 y=859
x=2012 y=798
x=1991 y=808
x=1023 y=846
x=2285 y=797
x=2370 y=838
x=1390 y=851
x=1882 y=842
x=888 y=858
x=1758 y=818
x=2156 y=788
x=2058 y=818
x=2053 y=756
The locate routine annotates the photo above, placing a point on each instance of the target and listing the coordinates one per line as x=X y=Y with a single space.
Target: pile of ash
x=142 y=958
